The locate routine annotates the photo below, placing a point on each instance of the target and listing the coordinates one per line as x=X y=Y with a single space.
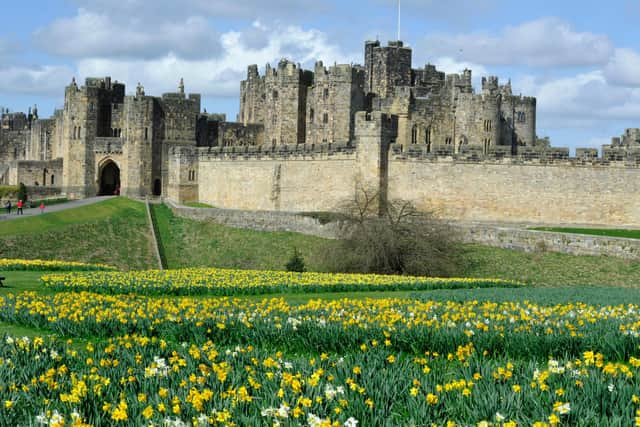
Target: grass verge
x=113 y=232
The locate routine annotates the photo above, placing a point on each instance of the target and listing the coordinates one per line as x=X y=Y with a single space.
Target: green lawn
x=628 y=234
x=188 y=243
x=549 y=268
x=113 y=232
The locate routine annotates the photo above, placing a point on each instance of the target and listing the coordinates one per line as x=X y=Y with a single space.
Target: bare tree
x=393 y=237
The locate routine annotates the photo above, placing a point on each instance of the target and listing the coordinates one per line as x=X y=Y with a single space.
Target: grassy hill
x=187 y=243
x=194 y=243
x=114 y=232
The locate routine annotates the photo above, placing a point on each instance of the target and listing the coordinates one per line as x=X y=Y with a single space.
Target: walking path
x=53 y=208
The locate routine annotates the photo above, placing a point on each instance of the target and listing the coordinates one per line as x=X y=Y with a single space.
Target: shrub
x=393 y=237
x=22 y=192
x=296 y=262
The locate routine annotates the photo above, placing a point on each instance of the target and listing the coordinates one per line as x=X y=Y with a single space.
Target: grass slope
x=113 y=232
x=195 y=243
x=188 y=243
x=549 y=268
x=628 y=234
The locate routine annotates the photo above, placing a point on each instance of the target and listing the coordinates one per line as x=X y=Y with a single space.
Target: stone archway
x=109 y=182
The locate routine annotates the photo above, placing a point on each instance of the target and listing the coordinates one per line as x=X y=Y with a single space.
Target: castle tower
x=332 y=102
x=252 y=98
x=87 y=115
x=374 y=133
x=79 y=130
x=387 y=67
x=286 y=103
x=139 y=137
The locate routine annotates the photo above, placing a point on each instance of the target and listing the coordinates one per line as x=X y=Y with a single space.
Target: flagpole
x=399 y=22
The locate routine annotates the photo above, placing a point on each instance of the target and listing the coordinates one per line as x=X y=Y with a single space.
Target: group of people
x=20 y=206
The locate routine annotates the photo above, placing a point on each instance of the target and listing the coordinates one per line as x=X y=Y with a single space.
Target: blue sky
x=580 y=59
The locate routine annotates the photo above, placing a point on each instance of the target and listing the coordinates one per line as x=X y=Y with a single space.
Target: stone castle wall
x=299 y=179
x=558 y=193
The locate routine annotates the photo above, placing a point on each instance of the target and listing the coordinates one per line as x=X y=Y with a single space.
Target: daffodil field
x=216 y=281
x=43 y=265
x=154 y=348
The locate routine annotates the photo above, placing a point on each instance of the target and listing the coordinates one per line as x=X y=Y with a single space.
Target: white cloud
x=624 y=68
x=37 y=80
x=218 y=76
x=90 y=34
x=543 y=42
x=583 y=100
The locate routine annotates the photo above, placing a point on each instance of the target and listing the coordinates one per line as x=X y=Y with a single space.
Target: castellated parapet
x=305 y=140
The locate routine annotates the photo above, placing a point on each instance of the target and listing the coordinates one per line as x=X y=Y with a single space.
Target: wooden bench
x=1 y=284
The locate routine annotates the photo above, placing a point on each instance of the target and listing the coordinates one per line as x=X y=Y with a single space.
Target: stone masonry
x=306 y=140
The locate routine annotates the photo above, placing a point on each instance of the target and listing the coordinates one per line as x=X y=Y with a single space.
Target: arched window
x=312 y=114
x=53 y=179
x=275 y=95
x=427 y=135
x=325 y=118
x=414 y=134
x=146 y=133
x=325 y=94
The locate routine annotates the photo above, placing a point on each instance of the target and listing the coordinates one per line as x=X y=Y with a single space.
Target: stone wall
x=37 y=173
x=259 y=220
x=293 y=178
x=559 y=193
x=501 y=236
x=507 y=237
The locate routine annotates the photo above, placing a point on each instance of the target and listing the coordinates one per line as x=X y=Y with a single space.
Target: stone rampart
x=553 y=190
x=286 y=179
x=259 y=220
x=502 y=236
x=521 y=239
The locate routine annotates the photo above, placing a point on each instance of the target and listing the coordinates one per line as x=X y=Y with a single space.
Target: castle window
x=325 y=118
x=521 y=116
x=325 y=94
x=273 y=142
x=427 y=135
x=414 y=134
x=448 y=140
x=312 y=114
x=91 y=107
x=275 y=95
x=53 y=179
x=274 y=119
x=146 y=133
x=115 y=106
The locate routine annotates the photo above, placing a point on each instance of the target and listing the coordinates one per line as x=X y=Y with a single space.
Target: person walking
x=41 y=207
x=7 y=206
x=20 y=205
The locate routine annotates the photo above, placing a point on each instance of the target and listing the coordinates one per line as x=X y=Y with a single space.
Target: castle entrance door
x=109 y=179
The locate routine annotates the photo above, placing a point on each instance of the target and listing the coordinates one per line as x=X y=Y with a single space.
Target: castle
x=305 y=140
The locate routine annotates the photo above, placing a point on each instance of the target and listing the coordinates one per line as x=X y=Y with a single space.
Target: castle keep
x=305 y=140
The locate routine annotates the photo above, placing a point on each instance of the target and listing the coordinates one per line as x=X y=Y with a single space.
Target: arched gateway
x=109 y=181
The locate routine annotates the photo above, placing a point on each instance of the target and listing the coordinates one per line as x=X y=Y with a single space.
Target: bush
x=393 y=237
x=22 y=192
x=296 y=262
